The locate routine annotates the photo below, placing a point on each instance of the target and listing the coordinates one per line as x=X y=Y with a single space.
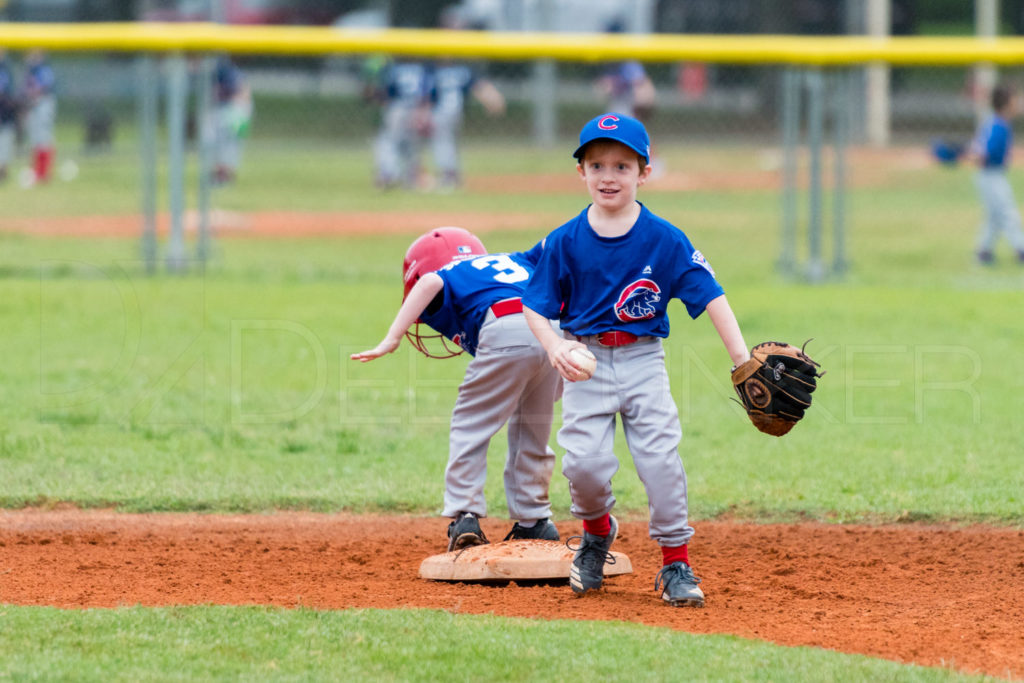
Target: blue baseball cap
x=618 y=128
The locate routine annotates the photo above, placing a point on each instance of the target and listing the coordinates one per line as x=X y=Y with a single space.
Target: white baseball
x=586 y=360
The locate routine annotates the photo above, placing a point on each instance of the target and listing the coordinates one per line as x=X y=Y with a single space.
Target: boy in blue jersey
x=991 y=150
x=474 y=299
x=608 y=275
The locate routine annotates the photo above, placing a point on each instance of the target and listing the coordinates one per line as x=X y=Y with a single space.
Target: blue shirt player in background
x=473 y=299
x=991 y=150
x=608 y=274
x=451 y=83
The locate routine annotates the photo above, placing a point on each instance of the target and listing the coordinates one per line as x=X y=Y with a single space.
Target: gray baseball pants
x=631 y=382
x=1001 y=213
x=509 y=381
x=6 y=144
x=40 y=121
x=444 y=141
x=396 y=148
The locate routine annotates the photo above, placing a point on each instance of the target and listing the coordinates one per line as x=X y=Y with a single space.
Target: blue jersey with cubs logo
x=596 y=284
x=472 y=286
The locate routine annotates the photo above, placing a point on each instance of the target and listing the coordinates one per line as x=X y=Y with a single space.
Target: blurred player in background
x=474 y=299
x=40 y=114
x=451 y=83
x=404 y=91
x=232 y=118
x=8 y=115
x=625 y=86
x=991 y=150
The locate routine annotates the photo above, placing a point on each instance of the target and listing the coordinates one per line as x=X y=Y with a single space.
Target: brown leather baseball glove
x=775 y=386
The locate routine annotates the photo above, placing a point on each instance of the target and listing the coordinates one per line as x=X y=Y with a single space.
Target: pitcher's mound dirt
x=936 y=596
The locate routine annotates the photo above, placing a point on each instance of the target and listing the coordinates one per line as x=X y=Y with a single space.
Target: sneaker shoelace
x=592 y=555
x=671 y=572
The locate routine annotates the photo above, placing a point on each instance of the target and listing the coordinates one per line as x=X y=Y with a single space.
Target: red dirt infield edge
x=940 y=596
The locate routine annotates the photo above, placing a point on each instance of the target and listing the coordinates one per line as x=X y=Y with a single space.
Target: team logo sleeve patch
x=699 y=259
x=636 y=302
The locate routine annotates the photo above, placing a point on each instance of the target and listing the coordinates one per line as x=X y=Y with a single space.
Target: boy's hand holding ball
x=586 y=360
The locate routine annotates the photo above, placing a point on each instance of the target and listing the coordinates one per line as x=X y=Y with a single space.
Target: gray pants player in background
x=472 y=299
x=403 y=91
x=40 y=114
x=451 y=84
x=991 y=150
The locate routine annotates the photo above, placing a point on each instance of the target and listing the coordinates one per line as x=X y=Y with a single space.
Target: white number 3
x=509 y=271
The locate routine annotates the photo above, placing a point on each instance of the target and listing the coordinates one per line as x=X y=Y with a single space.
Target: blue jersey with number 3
x=597 y=284
x=472 y=286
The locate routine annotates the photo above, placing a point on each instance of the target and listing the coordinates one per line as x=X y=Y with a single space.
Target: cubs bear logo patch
x=636 y=302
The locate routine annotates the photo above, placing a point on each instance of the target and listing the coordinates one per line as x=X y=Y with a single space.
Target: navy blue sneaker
x=678 y=586
x=464 y=532
x=543 y=530
x=587 y=572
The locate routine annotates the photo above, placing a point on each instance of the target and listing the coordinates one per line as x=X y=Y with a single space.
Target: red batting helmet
x=436 y=249
x=428 y=253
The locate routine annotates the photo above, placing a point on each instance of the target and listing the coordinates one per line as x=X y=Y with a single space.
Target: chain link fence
x=319 y=124
x=326 y=101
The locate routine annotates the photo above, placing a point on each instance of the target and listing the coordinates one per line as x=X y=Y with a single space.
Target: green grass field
x=253 y=643
x=232 y=390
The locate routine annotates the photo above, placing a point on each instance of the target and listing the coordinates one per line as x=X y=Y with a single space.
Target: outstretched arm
x=412 y=308
x=728 y=329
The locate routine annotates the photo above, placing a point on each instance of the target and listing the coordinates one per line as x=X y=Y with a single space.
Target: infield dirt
x=936 y=596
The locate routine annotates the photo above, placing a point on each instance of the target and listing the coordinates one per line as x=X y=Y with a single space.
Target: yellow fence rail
x=577 y=47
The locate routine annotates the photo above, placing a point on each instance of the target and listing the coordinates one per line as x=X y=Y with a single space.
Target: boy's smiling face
x=612 y=173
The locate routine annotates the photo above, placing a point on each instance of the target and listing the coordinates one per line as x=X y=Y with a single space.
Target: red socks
x=42 y=161
x=602 y=526
x=677 y=554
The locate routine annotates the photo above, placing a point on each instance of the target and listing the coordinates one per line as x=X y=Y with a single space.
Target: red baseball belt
x=613 y=338
x=507 y=307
